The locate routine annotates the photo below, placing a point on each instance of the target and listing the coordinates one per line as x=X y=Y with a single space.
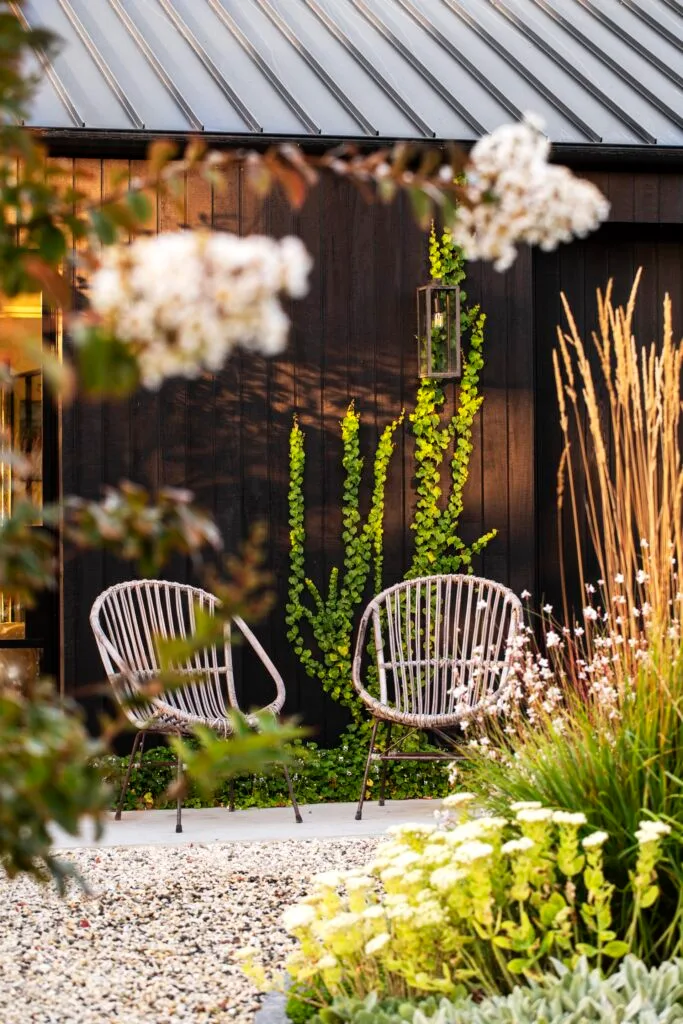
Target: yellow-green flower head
x=411 y=828
x=526 y=805
x=594 y=840
x=359 y=883
x=378 y=942
x=531 y=815
x=373 y=913
x=658 y=828
x=517 y=845
x=299 y=916
x=569 y=818
x=328 y=879
x=446 y=878
x=469 y=852
x=458 y=799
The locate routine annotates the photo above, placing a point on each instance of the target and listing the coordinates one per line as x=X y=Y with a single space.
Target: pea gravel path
x=154 y=942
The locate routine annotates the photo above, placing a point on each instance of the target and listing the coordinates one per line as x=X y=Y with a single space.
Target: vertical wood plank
x=521 y=432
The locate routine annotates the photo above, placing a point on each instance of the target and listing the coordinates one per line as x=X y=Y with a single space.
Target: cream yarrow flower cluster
x=475 y=901
x=183 y=300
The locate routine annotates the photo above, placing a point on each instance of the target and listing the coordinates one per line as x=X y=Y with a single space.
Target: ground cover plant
x=320 y=775
x=564 y=996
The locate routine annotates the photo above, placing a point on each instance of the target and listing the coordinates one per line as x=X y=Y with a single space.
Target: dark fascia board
x=68 y=142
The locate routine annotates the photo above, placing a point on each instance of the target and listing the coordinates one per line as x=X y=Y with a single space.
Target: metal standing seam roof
x=597 y=71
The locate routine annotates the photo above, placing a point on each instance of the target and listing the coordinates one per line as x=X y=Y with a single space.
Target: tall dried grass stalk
x=621 y=468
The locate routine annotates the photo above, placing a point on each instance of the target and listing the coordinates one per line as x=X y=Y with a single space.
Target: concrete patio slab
x=218 y=825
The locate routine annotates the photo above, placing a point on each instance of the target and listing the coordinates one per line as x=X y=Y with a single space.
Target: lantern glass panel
x=438 y=330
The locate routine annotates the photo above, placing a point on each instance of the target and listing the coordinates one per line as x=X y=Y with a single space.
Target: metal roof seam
x=231 y=25
x=155 y=64
x=48 y=68
x=521 y=69
x=571 y=70
x=361 y=59
x=652 y=22
x=206 y=62
x=316 y=67
x=613 y=65
x=101 y=63
x=423 y=71
x=632 y=42
x=464 y=62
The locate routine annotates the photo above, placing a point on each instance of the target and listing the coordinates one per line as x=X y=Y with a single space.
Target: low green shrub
x=634 y=993
x=319 y=775
x=469 y=906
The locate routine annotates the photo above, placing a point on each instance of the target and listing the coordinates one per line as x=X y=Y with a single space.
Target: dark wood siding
x=226 y=437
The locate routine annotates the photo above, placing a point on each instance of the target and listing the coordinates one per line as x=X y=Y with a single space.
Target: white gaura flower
x=299 y=916
x=552 y=639
x=517 y=845
x=590 y=614
x=183 y=300
x=378 y=942
x=594 y=839
x=569 y=818
x=641 y=577
x=525 y=595
x=619 y=578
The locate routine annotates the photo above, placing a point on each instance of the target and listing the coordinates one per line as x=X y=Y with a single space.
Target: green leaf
x=104 y=227
x=140 y=205
x=107 y=366
x=52 y=244
x=616 y=949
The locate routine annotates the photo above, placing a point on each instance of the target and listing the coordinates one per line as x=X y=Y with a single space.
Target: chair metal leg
x=231 y=795
x=385 y=765
x=124 y=787
x=359 y=812
x=179 y=802
x=292 y=798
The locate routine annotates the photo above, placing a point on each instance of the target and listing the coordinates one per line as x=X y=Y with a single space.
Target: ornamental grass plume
x=611 y=746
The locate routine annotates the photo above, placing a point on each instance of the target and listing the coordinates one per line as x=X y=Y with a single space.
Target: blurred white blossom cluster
x=517 y=196
x=185 y=299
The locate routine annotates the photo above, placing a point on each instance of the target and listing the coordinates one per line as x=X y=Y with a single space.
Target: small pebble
x=154 y=942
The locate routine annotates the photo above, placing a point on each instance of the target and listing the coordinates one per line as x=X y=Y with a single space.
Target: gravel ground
x=153 y=943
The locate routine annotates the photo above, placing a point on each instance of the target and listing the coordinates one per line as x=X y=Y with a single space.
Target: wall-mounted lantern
x=438 y=330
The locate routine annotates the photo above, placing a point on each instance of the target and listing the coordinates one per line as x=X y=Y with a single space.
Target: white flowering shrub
x=183 y=300
x=513 y=195
x=466 y=904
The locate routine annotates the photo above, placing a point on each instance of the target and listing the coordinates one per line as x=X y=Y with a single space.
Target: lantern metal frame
x=427 y=296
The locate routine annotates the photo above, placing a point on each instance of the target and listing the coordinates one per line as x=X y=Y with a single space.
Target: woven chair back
x=128 y=619
x=442 y=644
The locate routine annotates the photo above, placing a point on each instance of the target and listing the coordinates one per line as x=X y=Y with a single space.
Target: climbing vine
x=438 y=546
x=321 y=622
x=330 y=618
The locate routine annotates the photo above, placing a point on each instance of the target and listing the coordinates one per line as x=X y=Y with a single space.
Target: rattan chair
x=441 y=652
x=126 y=620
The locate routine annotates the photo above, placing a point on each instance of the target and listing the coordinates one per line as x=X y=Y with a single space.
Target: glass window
x=21 y=426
